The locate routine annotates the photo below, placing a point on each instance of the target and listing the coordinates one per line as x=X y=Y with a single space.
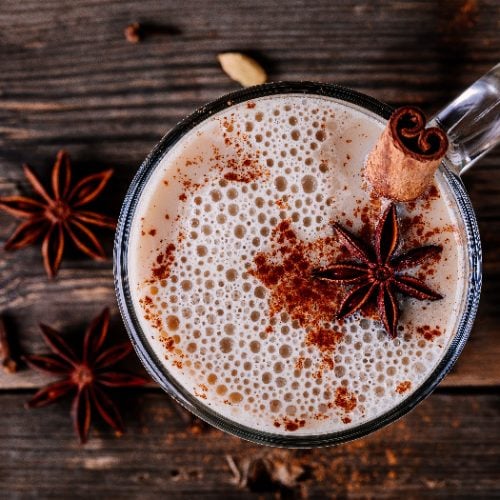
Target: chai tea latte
x=226 y=237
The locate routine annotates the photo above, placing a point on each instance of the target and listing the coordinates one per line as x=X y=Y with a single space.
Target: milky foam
x=217 y=198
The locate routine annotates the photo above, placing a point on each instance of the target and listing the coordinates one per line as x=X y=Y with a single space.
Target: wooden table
x=68 y=78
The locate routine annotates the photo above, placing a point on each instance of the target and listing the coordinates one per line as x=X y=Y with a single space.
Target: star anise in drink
x=87 y=374
x=377 y=274
x=54 y=216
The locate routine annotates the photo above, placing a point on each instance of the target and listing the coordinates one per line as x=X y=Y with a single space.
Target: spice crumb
x=133 y=33
x=403 y=387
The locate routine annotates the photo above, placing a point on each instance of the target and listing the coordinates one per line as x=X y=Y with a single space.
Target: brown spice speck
x=290 y=424
x=429 y=333
x=403 y=387
x=168 y=343
x=281 y=203
x=345 y=399
x=299 y=363
x=245 y=170
x=163 y=260
x=200 y=395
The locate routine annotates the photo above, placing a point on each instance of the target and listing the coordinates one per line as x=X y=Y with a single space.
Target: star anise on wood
x=54 y=216
x=377 y=274
x=87 y=374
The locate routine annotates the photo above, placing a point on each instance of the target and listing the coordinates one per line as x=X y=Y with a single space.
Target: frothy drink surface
x=225 y=236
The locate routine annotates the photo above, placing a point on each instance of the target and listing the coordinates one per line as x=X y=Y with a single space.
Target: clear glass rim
x=161 y=375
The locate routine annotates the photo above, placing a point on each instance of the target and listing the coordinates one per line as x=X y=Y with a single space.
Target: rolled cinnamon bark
x=403 y=162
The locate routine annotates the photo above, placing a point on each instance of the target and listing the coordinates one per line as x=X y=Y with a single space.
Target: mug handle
x=472 y=121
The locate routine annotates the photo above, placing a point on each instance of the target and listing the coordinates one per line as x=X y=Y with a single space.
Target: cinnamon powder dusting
x=299 y=363
x=168 y=343
x=324 y=339
x=164 y=260
x=403 y=387
x=289 y=424
x=240 y=163
x=244 y=164
x=345 y=399
x=286 y=271
x=151 y=313
x=429 y=333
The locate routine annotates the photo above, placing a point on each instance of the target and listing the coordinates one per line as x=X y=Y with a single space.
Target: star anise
x=54 y=216
x=88 y=374
x=377 y=274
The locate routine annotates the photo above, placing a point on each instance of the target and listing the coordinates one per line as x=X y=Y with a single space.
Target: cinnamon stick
x=402 y=164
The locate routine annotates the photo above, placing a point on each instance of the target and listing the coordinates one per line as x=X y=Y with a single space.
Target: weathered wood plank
x=449 y=448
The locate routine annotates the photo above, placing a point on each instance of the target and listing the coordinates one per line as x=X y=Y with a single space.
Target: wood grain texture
x=417 y=457
x=69 y=79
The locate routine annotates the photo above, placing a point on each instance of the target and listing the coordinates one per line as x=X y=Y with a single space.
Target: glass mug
x=472 y=122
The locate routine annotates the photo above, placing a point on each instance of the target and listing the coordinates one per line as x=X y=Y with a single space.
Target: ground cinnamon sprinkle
x=299 y=363
x=429 y=333
x=402 y=387
x=281 y=203
x=345 y=399
x=244 y=170
x=367 y=214
x=289 y=424
x=286 y=271
x=325 y=364
x=164 y=261
x=416 y=230
x=240 y=177
x=324 y=339
x=168 y=343
x=242 y=164
x=200 y=395
x=151 y=313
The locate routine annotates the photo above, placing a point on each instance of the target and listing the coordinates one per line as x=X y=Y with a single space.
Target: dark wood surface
x=444 y=448
x=69 y=79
